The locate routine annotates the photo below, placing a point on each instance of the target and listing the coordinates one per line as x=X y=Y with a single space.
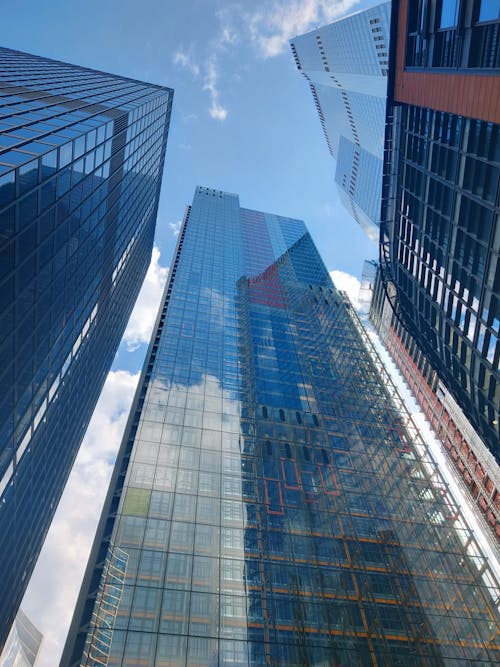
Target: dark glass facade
x=445 y=249
x=81 y=161
x=272 y=502
x=440 y=236
x=453 y=34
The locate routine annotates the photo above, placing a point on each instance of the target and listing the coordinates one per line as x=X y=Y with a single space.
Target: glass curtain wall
x=273 y=503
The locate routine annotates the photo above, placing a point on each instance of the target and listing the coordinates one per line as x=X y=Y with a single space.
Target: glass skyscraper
x=272 y=502
x=23 y=643
x=346 y=65
x=81 y=161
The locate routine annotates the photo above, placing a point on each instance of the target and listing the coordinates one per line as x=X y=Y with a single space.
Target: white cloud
x=175 y=227
x=216 y=110
x=140 y=324
x=186 y=59
x=51 y=596
x=228 y=33
x=268 y=29
x=347 y=283
x=189 y=117
x=271 y=28
x=227 y=36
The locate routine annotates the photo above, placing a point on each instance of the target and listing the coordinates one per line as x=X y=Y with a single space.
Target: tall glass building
x=23 y=643
x=81 y=161
x=272 y=502
x=349 y=87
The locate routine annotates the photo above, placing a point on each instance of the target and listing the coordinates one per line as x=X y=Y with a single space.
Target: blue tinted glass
x=55 y=349
x=490 y=10
x=279 y=505
x=449 y=13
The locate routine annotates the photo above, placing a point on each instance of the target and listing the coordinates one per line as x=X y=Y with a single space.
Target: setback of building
x=349 y=87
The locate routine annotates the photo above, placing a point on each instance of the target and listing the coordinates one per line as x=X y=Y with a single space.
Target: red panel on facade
x=266 y=289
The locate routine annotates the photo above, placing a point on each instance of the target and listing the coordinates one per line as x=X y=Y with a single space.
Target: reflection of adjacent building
x=105 y=611
x=23 y=643
x=346 y=65
x=326 y=547
x=81 y=159
x=276 y=503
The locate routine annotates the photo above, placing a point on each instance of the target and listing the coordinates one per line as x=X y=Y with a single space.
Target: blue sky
x=243 y=117
x=243 y=121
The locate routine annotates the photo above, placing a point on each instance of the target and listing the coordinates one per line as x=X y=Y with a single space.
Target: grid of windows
x=445 y=254
x=23 y=642
x=453 y=34
x=349 y=90
x=81 y=160
x=274 y=499
x=471 y=459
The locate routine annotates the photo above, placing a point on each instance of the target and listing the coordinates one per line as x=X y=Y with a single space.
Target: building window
x=449 y=13
x=489 y=10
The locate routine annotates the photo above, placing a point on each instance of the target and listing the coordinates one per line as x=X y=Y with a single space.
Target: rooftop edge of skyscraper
x=349 y=89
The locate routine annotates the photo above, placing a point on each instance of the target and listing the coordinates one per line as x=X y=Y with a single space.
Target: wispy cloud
x=53 y=589
x=268 y=29
x=347 y=283
x=229 y=34
x=175 y=227
x=189 y=117
x=226 y=37
x=216 y=110
x=144 y=314
x=272 y=26
x=185 y=59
